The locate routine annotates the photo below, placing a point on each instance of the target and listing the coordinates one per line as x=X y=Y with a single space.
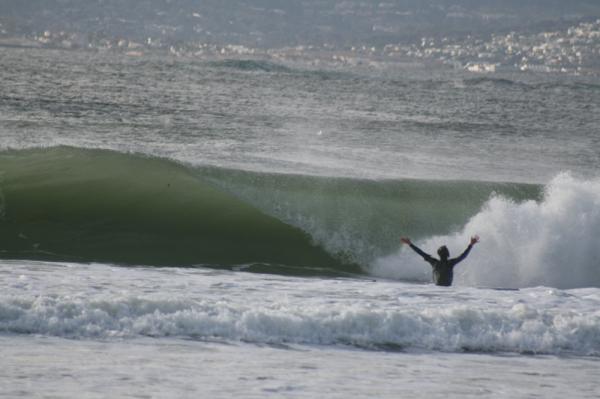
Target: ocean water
x=175 y=227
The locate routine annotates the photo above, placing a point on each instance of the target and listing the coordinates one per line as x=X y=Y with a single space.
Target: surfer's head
x=443 y=252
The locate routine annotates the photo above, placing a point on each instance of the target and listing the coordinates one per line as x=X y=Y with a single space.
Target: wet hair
x=443 y=252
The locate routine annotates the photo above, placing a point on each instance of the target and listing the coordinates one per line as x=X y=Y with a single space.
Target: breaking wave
x=549 y=242
x=81 y=205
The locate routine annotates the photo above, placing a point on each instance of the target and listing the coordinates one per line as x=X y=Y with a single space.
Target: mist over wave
x=552 y=242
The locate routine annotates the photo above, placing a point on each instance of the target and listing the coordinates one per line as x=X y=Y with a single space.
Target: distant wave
x=264 y=66
x=251 y=65
x=545 y=85
x=462 y=126
x=493 y=81
x=518 y=328
x=570 y=85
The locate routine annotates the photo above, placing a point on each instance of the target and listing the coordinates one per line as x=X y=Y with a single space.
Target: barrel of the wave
x=99 y=206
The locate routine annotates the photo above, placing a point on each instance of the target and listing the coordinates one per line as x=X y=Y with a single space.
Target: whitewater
x=184 y=228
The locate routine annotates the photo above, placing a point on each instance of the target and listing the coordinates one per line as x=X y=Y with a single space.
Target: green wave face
x=81 y=205
x=100 y=206
x=362 y=220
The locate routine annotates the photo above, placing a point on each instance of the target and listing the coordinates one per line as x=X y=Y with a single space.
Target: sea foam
x=521 y=327
x=552 y=242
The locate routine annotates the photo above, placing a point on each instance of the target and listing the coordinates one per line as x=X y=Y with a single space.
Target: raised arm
x=474 y=240
x=418 y=250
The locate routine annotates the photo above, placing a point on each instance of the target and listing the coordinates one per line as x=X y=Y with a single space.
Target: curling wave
x=101 y=206
x=82 y=205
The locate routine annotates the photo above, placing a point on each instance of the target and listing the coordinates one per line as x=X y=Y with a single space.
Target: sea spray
x=552 y=242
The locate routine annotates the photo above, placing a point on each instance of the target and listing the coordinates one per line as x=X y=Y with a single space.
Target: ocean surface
x=184 y=228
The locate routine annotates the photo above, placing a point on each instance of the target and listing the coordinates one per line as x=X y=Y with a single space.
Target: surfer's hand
x=406 y=240
x=474 y=240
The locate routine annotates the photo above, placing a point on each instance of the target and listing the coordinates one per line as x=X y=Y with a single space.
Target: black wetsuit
x=442 y=269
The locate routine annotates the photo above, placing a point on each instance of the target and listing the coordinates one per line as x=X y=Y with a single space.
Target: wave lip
x=456 y=328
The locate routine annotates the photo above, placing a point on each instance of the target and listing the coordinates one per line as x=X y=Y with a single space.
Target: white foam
x=553 y=242
x=520 y=327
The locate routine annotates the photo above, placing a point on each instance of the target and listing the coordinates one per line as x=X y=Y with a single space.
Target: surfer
x=442 y=268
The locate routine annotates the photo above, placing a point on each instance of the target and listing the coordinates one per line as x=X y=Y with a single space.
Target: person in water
x=442 y=268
